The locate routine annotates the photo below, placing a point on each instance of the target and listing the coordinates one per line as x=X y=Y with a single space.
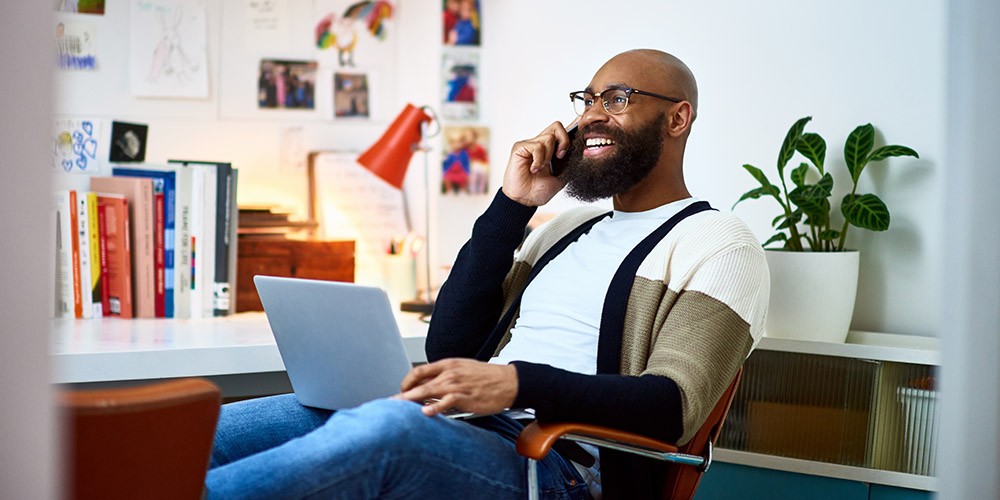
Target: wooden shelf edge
x=862 y=474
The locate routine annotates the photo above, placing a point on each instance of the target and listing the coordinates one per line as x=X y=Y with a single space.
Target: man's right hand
x=527 y=180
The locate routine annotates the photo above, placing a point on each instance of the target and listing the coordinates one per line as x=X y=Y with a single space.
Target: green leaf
x=829 y=235
x=856 y=149
x=759 y=175
x=755 y=193
x=813 y=146
x=891 y=151
x=826 y=184
x=812 y=199
x=777 y=237
x=788 y=146
x=866 y=211
x=789 y=222
x=799 y=174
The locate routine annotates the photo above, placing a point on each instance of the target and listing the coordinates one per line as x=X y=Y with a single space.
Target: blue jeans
x=276 y=448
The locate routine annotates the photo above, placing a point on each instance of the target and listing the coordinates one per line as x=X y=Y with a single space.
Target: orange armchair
x=687 y=462
x=145 y=442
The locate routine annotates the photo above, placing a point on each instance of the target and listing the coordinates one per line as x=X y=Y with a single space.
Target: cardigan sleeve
x=470 y=302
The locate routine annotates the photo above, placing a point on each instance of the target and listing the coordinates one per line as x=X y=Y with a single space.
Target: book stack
x=150 y=241
x=269 y=222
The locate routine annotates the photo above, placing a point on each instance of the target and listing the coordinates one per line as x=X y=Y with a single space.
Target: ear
x=679 y=118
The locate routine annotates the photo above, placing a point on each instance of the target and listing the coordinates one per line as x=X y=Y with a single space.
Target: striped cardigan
x=695 y=310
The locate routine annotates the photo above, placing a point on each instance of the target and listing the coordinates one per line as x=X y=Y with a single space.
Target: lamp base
x=417 y=306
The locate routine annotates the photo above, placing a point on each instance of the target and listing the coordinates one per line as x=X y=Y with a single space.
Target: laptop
x=339 y=341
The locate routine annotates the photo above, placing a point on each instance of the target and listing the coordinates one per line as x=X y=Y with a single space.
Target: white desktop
x=237 y=352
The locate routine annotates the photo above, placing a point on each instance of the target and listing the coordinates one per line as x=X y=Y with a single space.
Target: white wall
x=760 y=66
x=27 y=421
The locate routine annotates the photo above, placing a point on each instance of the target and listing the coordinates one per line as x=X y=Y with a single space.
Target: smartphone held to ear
x=558 y=165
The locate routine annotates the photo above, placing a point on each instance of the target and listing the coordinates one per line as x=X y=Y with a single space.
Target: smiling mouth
x=595 y=143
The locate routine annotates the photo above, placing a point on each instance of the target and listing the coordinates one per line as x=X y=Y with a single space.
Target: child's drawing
x=342 y=32
x=168 y=52
x=74 y=145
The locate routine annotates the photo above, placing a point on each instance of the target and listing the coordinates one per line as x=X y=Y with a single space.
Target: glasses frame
x=628 y=97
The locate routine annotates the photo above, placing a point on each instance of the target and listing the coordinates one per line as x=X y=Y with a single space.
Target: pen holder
x=400 y=278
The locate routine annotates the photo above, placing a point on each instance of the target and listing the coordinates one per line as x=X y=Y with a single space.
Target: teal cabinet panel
x=725 y=481
x=881 y=492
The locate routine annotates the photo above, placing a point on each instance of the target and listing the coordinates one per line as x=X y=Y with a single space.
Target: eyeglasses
x=614 y=100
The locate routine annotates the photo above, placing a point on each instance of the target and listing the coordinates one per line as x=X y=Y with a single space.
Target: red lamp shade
x=390 y=156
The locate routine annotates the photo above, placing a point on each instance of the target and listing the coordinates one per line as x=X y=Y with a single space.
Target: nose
x=595 y=114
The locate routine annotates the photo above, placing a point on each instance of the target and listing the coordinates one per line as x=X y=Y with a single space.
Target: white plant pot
x=812 y=295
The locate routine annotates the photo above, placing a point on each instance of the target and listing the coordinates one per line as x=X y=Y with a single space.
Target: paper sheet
x=355 y=204
x=168 y=55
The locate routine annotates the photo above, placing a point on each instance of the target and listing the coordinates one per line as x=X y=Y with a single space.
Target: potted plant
x=813 y=275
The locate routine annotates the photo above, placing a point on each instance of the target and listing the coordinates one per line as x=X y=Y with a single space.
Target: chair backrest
x=147 y=442
x=682 y=481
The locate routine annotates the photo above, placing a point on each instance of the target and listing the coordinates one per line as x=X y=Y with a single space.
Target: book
x=203 y=237
x=64 y=229
x=74 y=224
x=165 y=182
x=225 y=189
x=116 y=255
x=158 y=253
x=234 y=224
x=139 y=193
x=178 y=188
x=83 y=240
x=94 y=237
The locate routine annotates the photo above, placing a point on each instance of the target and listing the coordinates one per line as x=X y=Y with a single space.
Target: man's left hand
x=463 y=384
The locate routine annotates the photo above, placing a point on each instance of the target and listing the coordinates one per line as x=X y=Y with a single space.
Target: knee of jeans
x=394 y=422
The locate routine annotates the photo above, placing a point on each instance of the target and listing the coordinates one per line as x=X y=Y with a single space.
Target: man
x=637 y=320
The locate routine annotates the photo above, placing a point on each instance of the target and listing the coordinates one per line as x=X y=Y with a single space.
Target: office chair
x=687 y=462
x=145 y=442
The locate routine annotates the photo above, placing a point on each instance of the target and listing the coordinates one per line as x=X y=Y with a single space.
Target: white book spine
x=206 y=249
x=83 y=226
x=182 y=245
x=64 y=255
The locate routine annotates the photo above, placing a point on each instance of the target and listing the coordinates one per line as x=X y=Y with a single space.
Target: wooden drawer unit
x=322 y=260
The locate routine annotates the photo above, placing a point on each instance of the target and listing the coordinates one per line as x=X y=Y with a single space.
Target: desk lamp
x=389 y=159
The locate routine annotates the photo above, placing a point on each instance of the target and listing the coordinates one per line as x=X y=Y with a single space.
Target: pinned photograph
x=128 y=142
x=462 y=22
x=286 y=84
x=461 y=85
x=350 y=95
x=466 y=165
x=81 y=6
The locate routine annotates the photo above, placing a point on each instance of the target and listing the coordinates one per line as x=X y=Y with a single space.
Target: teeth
x=598 y=142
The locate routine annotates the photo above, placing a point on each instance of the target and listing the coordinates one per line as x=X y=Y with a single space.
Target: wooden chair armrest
x=537 y=439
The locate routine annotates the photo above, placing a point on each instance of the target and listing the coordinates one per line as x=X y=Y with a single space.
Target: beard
x=635 y=155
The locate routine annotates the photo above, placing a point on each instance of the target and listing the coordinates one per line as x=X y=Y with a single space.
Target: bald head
x=673 y=76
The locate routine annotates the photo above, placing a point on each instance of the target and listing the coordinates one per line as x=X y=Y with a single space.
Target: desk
x=237 y=352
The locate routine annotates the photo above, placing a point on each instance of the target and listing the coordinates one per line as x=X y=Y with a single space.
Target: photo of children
x=466 y=165
x=350 y=95
x=462 y=22
x=286 y=84
x=460 y=84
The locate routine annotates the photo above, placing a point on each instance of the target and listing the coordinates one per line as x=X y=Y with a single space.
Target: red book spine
x=77 y=286
x=102 y=230
x=159 y=258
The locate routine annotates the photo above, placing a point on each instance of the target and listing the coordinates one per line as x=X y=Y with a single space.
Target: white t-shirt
x=561 y=309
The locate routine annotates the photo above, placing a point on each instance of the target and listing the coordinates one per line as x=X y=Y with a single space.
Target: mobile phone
x=557 y=165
